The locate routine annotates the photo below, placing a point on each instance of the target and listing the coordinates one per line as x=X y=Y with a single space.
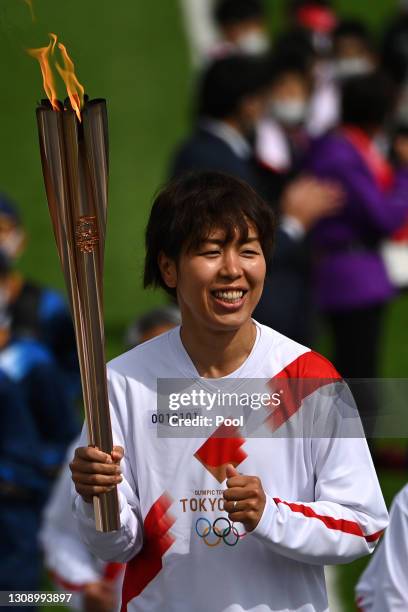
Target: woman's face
x=218 y=284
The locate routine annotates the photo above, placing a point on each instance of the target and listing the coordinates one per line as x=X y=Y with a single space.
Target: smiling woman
x=207 y=241
x=200 y=210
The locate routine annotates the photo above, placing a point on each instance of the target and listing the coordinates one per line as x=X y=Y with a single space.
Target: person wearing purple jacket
x=351 y=283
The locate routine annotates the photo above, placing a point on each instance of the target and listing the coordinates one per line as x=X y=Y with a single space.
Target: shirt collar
x=228 y=134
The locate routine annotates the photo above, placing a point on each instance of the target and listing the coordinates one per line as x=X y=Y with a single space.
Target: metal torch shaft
x=75 y=174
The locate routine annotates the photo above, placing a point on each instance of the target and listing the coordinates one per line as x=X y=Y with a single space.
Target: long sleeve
x=367 y=205
x=383 y=212
x=124 y=544
x=65 y=554
x=348 y=515
x=384 y=584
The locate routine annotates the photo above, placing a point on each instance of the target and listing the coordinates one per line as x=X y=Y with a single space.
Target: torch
x=74 y=154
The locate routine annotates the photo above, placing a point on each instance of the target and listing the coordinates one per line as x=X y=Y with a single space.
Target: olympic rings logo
x=222 y=529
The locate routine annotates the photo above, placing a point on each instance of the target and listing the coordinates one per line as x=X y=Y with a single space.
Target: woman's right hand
x=95 y=472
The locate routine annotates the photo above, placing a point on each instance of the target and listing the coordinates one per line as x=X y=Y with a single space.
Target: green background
x=133 y=53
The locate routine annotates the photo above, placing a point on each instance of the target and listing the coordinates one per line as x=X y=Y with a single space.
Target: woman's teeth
x=229 y=296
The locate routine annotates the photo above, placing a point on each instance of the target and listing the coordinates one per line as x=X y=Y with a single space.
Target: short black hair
x=367 y=100
x=296 y=41
x=354 y=28
x=188 y=208
x=229 y=12
x=228 y=81
x=290 y=61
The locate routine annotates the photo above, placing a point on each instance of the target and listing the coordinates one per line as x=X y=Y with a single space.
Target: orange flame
x=42 y=55
x=74 y=87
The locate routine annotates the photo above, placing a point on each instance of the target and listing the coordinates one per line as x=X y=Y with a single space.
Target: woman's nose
x=231 y=265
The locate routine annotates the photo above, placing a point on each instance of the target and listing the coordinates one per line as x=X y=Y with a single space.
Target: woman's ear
x=168 y=270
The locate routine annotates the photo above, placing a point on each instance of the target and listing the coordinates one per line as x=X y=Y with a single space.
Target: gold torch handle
x=75 y=169
x=95 y=396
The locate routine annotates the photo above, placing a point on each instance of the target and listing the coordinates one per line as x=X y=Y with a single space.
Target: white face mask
x=353 y=66
x=290 y=112
x=253 y=43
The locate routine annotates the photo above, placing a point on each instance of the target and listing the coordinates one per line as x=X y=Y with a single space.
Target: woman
x=196 y=533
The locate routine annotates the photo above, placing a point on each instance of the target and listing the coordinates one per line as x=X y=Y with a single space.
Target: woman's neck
x=218 y=353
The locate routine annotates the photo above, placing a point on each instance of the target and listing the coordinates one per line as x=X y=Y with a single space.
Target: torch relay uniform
x=384 y=584
x=324 y=504
x=70 y=564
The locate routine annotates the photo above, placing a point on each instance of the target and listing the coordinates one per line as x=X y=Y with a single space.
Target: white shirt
x=383 y=587
x=71 y=565
x=324 y=504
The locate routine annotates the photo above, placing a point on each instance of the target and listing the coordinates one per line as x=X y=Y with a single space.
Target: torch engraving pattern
x=86 y=234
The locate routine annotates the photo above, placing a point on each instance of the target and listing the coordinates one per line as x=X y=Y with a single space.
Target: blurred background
x=143 y=57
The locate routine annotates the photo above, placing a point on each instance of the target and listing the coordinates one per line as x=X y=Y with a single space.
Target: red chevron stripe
x=148 y=562
x=298 y=380
x=343 y=525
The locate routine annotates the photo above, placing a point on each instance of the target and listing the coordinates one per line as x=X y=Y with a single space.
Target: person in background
x=232 y=99
x=35 y=311
x=311 y=24
x=242 y=25
x=354 y=51
x=95 y=584
x=23 y=487
x=281 y=139
x=351 y=284
x=152 y=324
x=394 y=53
x=384 y=584
x=317 y=17
x=31 y=366
x=394 y=49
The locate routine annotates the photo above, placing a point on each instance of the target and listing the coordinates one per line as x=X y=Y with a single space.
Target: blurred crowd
x=315 y=120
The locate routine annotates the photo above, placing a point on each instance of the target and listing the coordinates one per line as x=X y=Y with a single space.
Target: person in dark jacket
x=23 y=488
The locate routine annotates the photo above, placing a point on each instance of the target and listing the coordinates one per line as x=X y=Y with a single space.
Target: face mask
x=353 y=66
x=291 y=112
x=253 y=43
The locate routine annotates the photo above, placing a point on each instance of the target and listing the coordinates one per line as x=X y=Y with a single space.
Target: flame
x=74 y=87
x=42 y=55
x=29 y=3
x=54 y=38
